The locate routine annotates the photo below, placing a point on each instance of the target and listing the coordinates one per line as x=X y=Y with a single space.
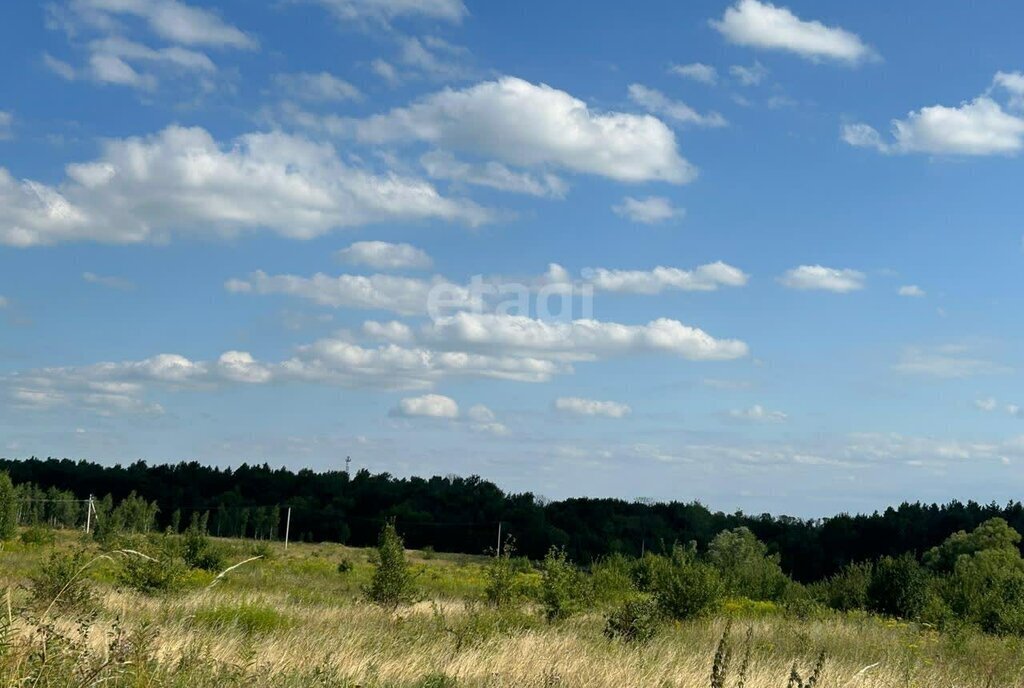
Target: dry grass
x=294 y=620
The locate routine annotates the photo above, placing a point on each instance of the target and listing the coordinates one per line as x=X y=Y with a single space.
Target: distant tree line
x=461 y=514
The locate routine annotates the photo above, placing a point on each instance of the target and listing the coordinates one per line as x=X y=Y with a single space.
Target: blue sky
x=787 y=239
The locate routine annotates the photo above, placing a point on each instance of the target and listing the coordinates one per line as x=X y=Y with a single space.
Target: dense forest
x=459 y=514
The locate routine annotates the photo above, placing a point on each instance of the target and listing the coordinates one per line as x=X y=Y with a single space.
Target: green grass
x=293 y=620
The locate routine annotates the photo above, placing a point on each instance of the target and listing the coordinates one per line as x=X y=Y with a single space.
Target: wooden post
x=287 y=527
x=88 y=515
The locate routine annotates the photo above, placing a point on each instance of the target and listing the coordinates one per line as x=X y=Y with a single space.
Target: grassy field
x=293 y=619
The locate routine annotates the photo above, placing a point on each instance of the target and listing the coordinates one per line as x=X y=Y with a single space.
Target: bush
x=686 y=587
x=392 y=582
x=345 y=565
x=612 y=580
x=746 y=568
x=563 y=587
x=848 y=589
x=636 y=621
x=63 y=581
x=38 y=535
x=198 y=550
x=501 y=576
x=163 y=571
x=8 y=507
x=899 y=587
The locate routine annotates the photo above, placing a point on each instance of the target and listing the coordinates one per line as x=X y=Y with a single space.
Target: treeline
x=457 y=514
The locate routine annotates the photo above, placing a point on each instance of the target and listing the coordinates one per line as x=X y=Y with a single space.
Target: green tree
x=746 y=568
x=8 y=508
x=899 y=587
x=564 y=590
x=993 y=534
x=392 y=582
x=687 y=587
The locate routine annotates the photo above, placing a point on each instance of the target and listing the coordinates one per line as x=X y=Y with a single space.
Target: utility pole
x=498 y=551
x=88 y=515
x=287 y=527
x=348 y=465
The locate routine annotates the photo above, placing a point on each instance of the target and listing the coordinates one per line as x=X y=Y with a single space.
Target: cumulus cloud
x=427 y=406
x=949 y=361
x=316 y=87
x=591 y=407
x=491 y=174
x=763 y=25
x=808 y=277
x=392 y=331
x=707 y=277
x=911 y=290
x=403 y=295
x=483 y=419
x=757 y=414
x=697 y=71
x=529 y=125
x=651 y=210
x=111 y=57
x=385 y=11
x=977 y=127
x=183 y=181
x=582 y=339
x=382 y=255
x=658 y=103
x=988 y=405
x=109 y=281
x=749 y=76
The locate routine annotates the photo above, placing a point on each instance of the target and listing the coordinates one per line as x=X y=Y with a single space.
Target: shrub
x=501 y=576
x=8 y=508
x=198 y=550
x=64 y=581
x=848 y=589
x=612 y=580
x=687 y=587
x=987 y=589
x=746 y=568
x=345 y=565
x=899 y=587
x=163 y=571
x=392 y=582
x=38 y=535
x=563 y=587
x=636 y=621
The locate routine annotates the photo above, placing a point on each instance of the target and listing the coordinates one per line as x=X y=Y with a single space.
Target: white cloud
x=526 y=124
x=443 y=165
x=987 y=405
x=392 y=331
x=649 y=211
x=592 y=407
x=757 y=414
x=483 y=419
x=6 y=120
x=948 y=362
x=707 y=277
x=808 y=277
x=1015 y=410
x=427 y=406
x=1013 y=83
x=658 y=103
x=110 y=282
x=978 y=127
x=385 y=70
x=911 y=290
x=317 y=87
x=698 y=71
x=763 y=25
x=579 y=339
x=59 y=67
x=382 y=255
x=388 y=10
x=749 y=76
x=434 y=58
x=404 y=295
x=171 y=20
x=183 y=181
